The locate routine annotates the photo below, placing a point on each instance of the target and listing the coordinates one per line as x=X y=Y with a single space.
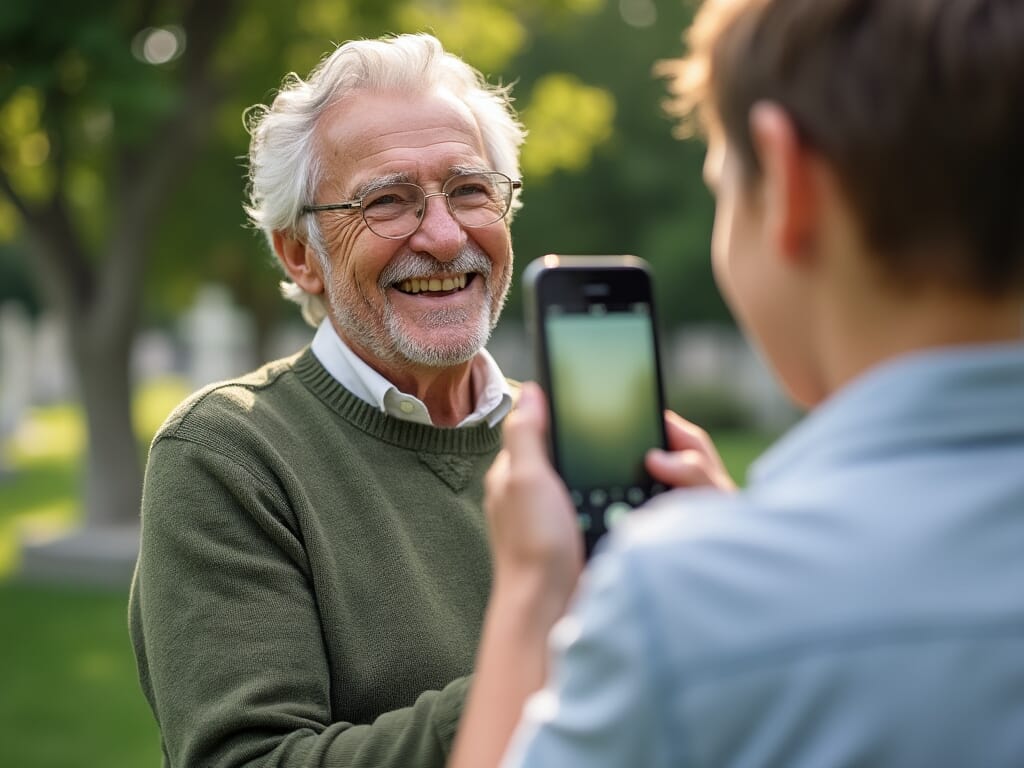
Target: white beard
x=390 y=340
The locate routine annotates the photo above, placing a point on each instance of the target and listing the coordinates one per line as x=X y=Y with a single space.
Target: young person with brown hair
x=861 y=601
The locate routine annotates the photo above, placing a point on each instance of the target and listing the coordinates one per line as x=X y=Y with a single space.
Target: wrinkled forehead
x=419 y=135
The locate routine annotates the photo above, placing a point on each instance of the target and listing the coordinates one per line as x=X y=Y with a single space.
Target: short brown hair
x=918 y=105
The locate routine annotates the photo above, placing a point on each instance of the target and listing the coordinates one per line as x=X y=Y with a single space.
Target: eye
x=471 y=188
x=397 y=195
x=468 y=189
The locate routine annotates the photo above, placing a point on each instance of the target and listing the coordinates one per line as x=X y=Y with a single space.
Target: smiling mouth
x=446 y=284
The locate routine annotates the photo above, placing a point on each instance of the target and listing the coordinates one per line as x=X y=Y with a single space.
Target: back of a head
x=917 y=105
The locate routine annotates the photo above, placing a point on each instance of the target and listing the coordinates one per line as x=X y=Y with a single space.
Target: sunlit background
x=128 y=276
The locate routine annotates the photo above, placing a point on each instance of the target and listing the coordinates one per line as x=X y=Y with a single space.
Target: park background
x=128 y=276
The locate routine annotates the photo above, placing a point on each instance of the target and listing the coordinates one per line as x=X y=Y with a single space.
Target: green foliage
x=567 y=120
x=486 y=34
x=641 y=191
x=15 y=281
x=26 y=144
x=71 y=91
x=603 y=172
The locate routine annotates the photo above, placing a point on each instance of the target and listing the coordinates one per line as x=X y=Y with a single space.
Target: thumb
x=687 y=468
x=523 y=434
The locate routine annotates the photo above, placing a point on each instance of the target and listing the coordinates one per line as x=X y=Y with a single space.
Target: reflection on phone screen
x=604 y=393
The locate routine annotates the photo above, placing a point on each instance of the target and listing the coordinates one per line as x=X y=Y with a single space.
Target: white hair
x=284 y=166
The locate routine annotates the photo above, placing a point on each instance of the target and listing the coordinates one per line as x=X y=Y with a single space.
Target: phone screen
x=605 y=400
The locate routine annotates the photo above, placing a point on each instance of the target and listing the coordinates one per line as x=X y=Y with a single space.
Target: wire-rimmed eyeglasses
x=394 y=211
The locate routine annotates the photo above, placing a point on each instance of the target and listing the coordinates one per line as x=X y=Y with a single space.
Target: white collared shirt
x=491 y=392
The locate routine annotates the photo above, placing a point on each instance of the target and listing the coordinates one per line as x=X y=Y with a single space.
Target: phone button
x=598 y=498
x=636 y=496
x=586 y=522
x=615 y=513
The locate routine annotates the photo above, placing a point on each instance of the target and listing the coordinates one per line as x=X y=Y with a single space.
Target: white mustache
x=412 y=265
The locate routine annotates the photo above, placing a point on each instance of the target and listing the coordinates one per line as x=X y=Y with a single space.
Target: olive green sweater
x=312 y=576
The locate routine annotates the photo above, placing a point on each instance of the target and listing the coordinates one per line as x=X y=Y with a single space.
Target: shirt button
x=406 y=406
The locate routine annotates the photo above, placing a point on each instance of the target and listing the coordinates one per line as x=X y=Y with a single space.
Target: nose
x=439 y=233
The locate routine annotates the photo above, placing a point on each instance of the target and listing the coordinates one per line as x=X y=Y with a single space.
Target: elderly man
x=314 y=563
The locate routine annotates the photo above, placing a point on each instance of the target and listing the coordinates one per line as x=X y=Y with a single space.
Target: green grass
x=70 y=696
x=739 y=449
x=39 y=496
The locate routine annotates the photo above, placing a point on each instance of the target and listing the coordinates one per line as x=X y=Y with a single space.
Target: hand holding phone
x=595 y=340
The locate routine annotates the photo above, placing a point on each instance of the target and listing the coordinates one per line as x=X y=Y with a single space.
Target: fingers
x=684 y=435
x=686 y=469
x=523 y=433
x=692 y=459
x=531 y=517
x=496 y=477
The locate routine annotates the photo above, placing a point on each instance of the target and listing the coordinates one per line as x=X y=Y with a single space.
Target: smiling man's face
x=431 y=299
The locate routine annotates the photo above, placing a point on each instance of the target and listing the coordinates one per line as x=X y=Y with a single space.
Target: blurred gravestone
x=92 y=554
x=53 y=380
x=288 y=338
x=718 y=359
x=219 y=337
x=15 y=370
x=154 y=355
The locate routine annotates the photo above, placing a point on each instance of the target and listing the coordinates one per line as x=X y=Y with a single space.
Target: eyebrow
x=461 y=170
x=372 y=185
x=379 y=183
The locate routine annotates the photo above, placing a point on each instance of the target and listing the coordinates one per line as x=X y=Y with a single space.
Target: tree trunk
x=113 y=469
x=98 y=295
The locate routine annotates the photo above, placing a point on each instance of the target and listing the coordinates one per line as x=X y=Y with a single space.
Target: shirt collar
x=491 y=392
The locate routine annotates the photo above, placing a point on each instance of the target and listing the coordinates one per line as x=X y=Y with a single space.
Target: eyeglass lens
x=475 y=200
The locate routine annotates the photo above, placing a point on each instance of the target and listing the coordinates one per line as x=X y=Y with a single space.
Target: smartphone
x=594 y=334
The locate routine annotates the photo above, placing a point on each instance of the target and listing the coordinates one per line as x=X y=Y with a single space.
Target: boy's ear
x=789 y=181
x=299 y=261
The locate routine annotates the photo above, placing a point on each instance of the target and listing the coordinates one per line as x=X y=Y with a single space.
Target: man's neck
x=889 y=326
x=447 y=393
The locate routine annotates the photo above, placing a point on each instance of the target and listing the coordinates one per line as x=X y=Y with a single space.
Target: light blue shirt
x=860 y=604
x=491 y=391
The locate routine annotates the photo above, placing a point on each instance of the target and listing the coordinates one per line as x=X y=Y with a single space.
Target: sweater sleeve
x=228 y=637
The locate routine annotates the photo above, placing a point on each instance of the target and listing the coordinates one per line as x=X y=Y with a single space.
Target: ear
x=790 y=183
x=300 y=262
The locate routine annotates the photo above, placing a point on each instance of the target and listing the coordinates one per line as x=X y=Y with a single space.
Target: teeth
x=421 y=284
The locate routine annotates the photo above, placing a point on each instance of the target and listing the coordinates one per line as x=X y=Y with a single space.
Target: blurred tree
x=640 y=190
x=107 y=106
x=96 y=126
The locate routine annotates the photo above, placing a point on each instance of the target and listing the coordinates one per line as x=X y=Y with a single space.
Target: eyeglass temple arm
x=351 y=205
